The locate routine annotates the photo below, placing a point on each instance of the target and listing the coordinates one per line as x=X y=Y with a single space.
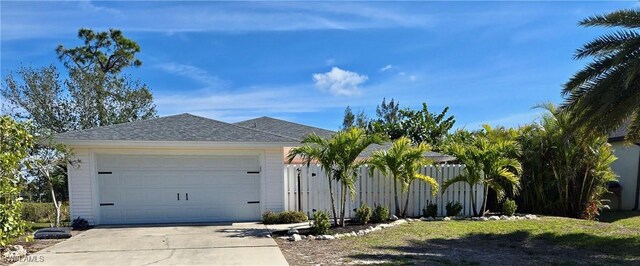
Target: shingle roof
x=284 y=128
x=183 y=127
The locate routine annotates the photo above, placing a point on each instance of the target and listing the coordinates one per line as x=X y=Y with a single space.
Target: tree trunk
x=395 y=196
x=344 y=204
x=484 y=201
x=55 y=201
x=473 y=200
x=333 y=205
x=406 y=203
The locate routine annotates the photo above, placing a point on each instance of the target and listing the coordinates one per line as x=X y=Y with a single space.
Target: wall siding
x=274 y=183
x=626 y=167
x=80 y=193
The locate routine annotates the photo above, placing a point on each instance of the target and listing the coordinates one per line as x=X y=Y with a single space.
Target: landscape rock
x=393 y=218
x=483 y=218
x=531 y=217
x=292 y=231
x=424 y=219
x=494 y=218
x=430 y=219
x=284 y=237
x=311 y=237
x=361 y=233
x=296 y=237
x=446 y=219
x=328 y=237
x=14 y=251
x=353 y=233
x=439 y=219
x=399 y=222
x=504 y=217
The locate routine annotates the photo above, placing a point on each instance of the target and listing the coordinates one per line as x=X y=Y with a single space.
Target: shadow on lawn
x=613 y=216
x=519 y=247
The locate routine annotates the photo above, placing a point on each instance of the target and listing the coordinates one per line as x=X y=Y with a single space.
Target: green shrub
x=290 y=217
x=285 y=217
x=44 y=212
x=380 y=214
x=431 y=210
x=14 y=148
x=269 y=217
x=363 y=214
x=509 y=207
x=453 y=208
x=321 y=223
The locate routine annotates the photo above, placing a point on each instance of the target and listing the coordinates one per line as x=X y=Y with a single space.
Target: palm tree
x=605 y=94
x=489 y=159
x=402 y=162
x=338 y=157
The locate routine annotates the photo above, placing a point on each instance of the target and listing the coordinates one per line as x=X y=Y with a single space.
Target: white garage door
x=172 y=189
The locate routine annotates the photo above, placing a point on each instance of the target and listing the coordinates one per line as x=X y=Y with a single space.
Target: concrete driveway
x=237 y=244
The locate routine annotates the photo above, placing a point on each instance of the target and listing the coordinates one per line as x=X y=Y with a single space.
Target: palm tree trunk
x=484 y=201
x=473 y=200
x=406 y=203
x=344 y=203
x=333 y=205
x=395 y=196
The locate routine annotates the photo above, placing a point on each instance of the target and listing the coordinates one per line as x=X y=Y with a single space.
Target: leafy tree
x=605 y=94
x=388 y=120
x=424 y=126
x=488 y=159
x=565 y=171
x=338 y=158
x=403 y=163
x=418 y=125
x=47 y=162
x=15 y=143
x=95 y=93
x=350 y=119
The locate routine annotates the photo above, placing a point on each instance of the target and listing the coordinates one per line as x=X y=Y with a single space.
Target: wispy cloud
x=340 y=82
x=22 y=20
x=385 y=68
x=194 y=73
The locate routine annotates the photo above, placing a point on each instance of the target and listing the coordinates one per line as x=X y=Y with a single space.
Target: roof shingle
x=183 y=127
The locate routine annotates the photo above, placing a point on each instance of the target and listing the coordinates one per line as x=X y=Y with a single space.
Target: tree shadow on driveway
x=517 y=248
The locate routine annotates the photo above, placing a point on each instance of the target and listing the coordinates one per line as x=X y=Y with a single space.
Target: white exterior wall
x=626 y=167
x=83 y=190
x=274 y=188
x=80 y=193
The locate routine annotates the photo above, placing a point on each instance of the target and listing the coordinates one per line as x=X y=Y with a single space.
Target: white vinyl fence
x=375 y=190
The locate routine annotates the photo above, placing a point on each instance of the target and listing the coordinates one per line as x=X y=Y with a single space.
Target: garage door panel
x=144 y=189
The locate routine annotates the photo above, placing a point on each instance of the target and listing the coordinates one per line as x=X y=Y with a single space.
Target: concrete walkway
x=237 y=244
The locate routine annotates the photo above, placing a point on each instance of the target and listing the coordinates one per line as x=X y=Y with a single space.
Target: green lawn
x=550 y=240
x=35 y=226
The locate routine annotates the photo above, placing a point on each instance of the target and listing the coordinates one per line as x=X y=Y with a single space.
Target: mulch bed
x=36 y=245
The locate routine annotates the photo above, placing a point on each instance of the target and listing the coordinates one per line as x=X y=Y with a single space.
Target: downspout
x=635 y=208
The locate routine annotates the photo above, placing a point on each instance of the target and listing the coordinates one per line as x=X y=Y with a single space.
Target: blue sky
x=490 y=62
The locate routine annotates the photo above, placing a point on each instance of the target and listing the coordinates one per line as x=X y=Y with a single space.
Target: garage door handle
x=178 y=196
x=253 y=202
x=187 y=196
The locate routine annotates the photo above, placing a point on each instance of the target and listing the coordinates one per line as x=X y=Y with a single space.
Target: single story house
x=627 y=167
x=182 y=168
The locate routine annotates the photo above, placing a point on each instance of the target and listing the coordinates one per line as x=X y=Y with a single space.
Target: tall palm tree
x=605 y=94
x=338 y=157
x=489 y=159
x=403 y=162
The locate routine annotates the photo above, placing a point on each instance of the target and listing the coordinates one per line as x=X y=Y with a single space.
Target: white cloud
x=194 y=73
x=385 y=68
x=412 y=78
x=340 y=82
